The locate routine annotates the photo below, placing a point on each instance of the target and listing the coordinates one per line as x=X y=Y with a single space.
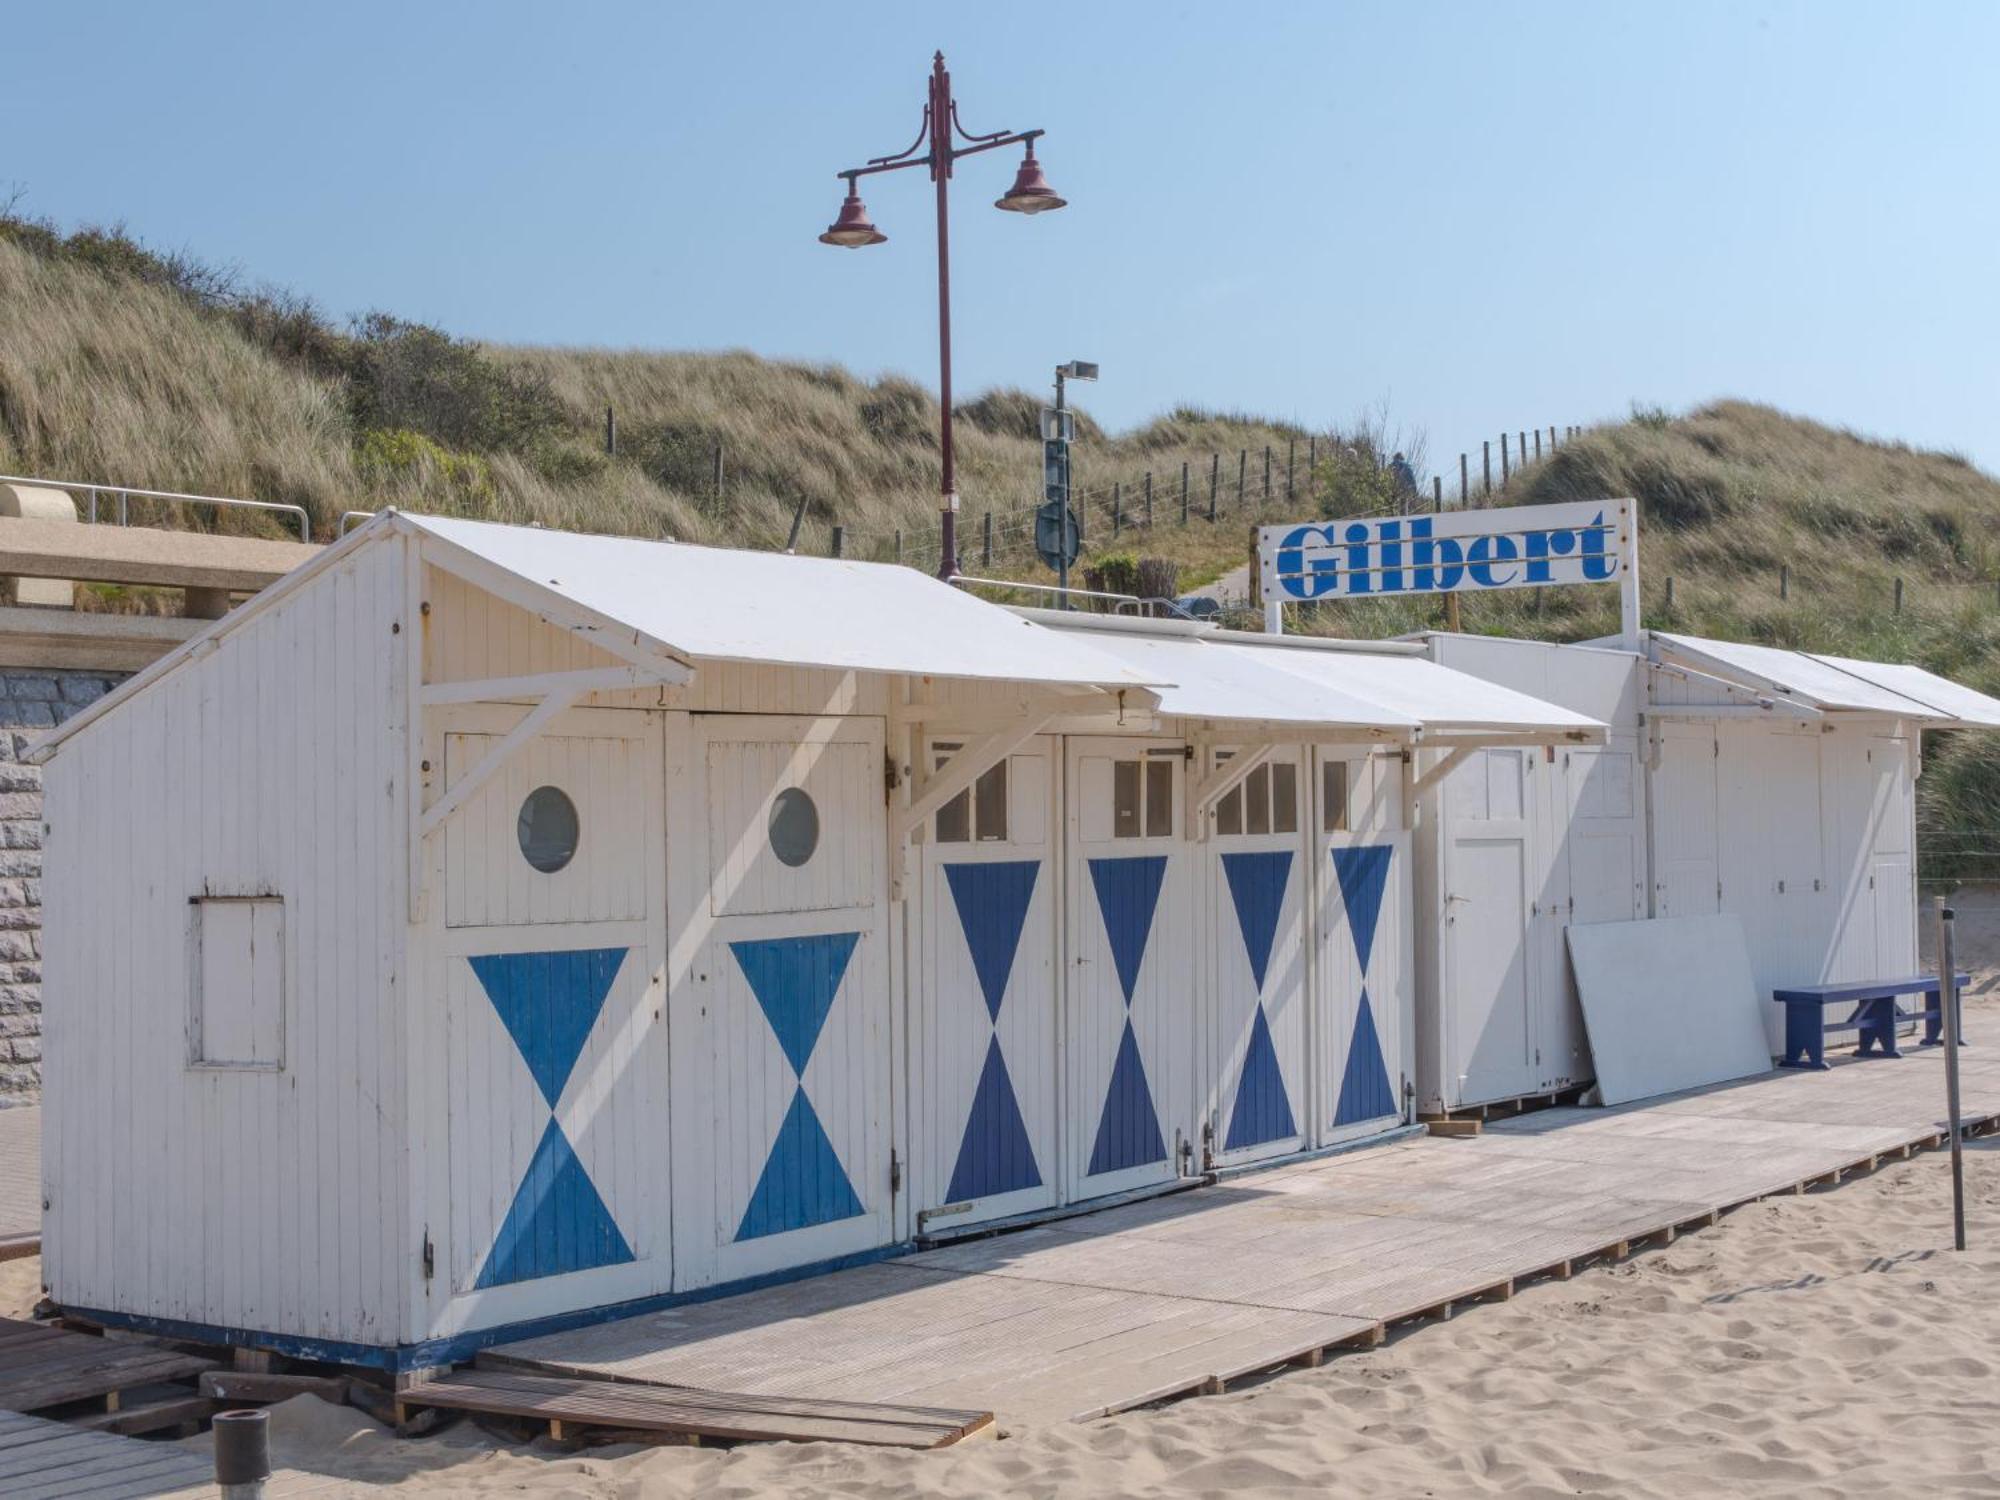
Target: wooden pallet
x=42 y=1367
x=627 y=1407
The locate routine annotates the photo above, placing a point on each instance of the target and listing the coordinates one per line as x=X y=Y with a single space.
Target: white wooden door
x=550 y=943
x=1132 y=1021
x=1892 y=867
x=1685 y=823
x=1597 y=834
x=1366 y=979
x=1254 y=1069
x=1492 y=882
x=983 y=1058
x=790 y=1020
x=1852 y=796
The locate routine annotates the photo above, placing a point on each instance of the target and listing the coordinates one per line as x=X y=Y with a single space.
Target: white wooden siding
x=744 y=778
x=272 y=766
x=487 y=883
x=471 y=635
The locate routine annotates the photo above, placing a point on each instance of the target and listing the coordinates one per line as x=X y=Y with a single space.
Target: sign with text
x=1529 y=546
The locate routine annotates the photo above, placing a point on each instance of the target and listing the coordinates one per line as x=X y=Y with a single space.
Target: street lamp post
x=934 y=149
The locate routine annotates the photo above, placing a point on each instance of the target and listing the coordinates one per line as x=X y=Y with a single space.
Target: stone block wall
x=31 y=700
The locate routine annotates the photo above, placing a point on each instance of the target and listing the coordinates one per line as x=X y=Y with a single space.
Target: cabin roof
x=1294 y=680
x=1838 y=684
x=723 y=604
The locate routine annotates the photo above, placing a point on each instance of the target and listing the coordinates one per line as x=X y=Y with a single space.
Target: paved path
x=1180 y=1293
x=20 y=1180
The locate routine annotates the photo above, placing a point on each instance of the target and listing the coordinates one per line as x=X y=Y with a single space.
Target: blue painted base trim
x=445 y=1351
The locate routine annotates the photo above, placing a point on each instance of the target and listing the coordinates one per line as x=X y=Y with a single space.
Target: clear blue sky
x=1479 y=216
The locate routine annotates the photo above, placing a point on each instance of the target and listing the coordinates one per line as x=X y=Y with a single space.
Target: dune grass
x=120 y=364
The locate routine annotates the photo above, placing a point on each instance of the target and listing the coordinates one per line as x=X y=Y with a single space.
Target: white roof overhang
x=1231 y=683
x=1835 y=684
x=1294 y=683
x=1951 y=704
x=1451 y=705
x=720 y=604
x=663 y=606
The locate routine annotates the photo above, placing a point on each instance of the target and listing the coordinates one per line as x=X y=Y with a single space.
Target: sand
x=20 y=1286
x=1825 y=1345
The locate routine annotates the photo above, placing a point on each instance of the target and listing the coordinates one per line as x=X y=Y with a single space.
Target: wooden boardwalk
x=40 y=1460
x=1183 y=1293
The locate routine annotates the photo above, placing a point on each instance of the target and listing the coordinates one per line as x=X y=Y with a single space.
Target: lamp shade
x=852 y=229
x=1030 y=193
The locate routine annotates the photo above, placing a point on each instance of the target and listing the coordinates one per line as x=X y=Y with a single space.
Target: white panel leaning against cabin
x=545 y=802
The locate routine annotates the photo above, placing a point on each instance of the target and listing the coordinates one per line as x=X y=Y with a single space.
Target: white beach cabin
x=1774 y=784
x=489 y=929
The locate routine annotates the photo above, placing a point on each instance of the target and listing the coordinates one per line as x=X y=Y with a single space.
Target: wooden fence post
x=1312 y=453
x=1522 y=451
x=610 y=433
x=1149 y=499
x=1117 y=507
x=1552 y=440
x=1505 y=469
x=1184 y=492
x=718 y=471
x=899 y=544
x=1784 y=580
x=839 y=536
x=1538 y=446
x=1267 y=473
x=1242 y=468
x=1899 y=596
x=1214 y=481
x=1291 y=457
x=986 y=541
x=1670 y=596
x=1437 y=492
x=1486 y=463
x=1464 y=482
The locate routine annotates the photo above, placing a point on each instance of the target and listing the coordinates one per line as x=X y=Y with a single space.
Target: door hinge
x=895 y=1173
x=429 y=1257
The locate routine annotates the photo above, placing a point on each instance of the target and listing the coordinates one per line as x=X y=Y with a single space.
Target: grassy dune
x=120 y=364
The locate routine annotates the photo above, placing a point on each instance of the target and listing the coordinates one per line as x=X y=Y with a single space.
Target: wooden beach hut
x=489 y=929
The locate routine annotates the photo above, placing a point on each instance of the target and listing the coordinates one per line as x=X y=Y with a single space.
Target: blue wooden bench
x=1875 y=1015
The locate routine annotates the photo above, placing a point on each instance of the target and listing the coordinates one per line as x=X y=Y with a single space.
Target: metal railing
x=1122 y=604
x=351 y=518
x=125 y=494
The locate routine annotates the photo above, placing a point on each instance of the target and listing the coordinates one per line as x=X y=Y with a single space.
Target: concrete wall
x=30 y=701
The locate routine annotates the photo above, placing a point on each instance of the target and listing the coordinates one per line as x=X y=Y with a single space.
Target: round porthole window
x=547 y=829
x=794 y=827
